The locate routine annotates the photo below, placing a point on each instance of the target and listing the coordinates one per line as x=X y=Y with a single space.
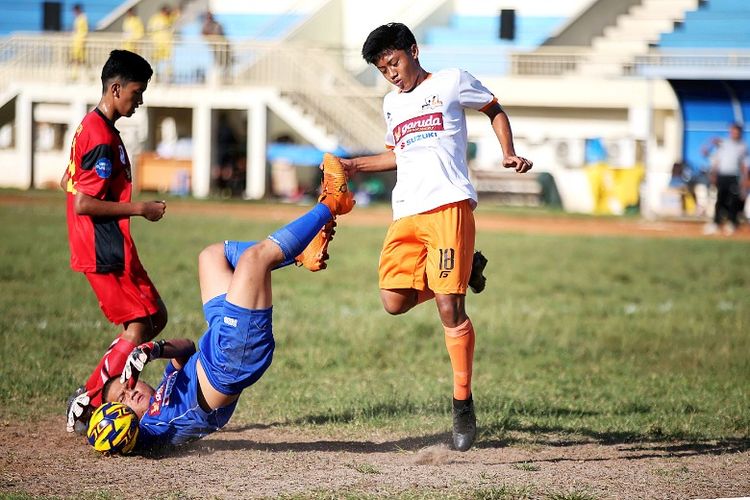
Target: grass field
x=607 y=338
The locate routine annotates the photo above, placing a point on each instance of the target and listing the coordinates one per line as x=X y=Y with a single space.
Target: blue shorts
x=238 y=346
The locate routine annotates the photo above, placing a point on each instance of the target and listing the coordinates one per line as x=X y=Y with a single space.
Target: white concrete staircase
x=632 y=35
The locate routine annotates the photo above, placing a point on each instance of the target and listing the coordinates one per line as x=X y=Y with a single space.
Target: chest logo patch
x=431 y=121
x=103 y=168
x=432 y=102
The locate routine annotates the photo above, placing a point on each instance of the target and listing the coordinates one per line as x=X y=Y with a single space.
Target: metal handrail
x=335 y=99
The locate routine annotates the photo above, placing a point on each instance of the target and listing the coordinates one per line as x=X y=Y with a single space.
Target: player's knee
x=395 y=305
x=263 y=255
x=159 y=319
x=451 y=313
x=394 y=310
x=212 y=254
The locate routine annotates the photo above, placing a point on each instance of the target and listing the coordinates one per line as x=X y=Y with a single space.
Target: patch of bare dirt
x=268 y=461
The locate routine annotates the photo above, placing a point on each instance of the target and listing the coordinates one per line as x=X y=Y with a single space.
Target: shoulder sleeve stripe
x=487 y=106
x=90 y=158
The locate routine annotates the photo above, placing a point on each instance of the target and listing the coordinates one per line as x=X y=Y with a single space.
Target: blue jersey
x=234 y=352
x=174 y=416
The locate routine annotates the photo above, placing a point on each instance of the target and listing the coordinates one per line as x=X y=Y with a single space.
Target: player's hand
x=348 y=164
x=154 y=210
x=349 y=168
x=137 y=359
x=518 y=163
x=75 y=409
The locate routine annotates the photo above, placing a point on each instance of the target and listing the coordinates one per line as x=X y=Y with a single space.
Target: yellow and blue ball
x=113 y=428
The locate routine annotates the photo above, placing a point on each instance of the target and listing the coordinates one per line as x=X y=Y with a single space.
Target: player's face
x=129 y=97
x=401 y=68
x=735 y=133
x=136 y=398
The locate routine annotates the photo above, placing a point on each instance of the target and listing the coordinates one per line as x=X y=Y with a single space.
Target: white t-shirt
x=427 y=132
x=730 y=157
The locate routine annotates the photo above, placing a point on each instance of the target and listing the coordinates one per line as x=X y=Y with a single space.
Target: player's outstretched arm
x=501 y=126
x=382 y=162
x=88 y=205
x=179 y=350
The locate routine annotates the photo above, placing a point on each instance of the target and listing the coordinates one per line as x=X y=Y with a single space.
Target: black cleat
x=477 y=281
x=464 y=424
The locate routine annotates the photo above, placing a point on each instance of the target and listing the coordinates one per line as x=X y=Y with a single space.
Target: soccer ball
x=113 y=428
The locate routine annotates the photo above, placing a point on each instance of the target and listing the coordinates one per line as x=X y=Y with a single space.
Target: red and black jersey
x=99 y=167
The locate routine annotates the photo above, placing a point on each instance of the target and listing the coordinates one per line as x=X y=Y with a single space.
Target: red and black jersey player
x=99 y=207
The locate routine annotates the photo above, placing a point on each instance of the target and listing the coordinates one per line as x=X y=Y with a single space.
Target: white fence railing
x=570 y=61
x=313 y=78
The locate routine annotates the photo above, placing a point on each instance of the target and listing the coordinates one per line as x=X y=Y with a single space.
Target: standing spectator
x=80 y=31
x=161 y=28
x=729 y=167
x=213 y=33
x=133 y=31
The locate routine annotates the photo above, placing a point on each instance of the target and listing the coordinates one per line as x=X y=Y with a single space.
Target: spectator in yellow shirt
x=161 y=29
x=133 y=30
x=80 y=30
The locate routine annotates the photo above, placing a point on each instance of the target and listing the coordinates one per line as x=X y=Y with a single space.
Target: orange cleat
x=315 y=255
x=334 y=192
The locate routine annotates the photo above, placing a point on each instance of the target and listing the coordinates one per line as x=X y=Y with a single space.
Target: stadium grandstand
x=604 y=95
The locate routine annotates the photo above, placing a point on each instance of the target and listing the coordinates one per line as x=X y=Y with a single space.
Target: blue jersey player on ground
x=199 y=390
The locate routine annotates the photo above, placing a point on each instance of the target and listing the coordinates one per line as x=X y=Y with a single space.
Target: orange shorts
x=430 y=250
x=125 y=295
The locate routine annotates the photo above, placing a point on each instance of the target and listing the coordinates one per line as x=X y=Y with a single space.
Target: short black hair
x=105 y=388
x=126 y=66
x=386 y=38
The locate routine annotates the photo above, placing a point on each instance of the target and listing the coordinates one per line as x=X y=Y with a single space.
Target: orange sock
x=460 y=343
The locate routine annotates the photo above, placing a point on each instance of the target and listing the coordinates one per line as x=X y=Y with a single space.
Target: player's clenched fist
x=518 y=163
x=154 y=210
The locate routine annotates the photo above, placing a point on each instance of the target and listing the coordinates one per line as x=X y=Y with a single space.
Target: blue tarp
x=299 y=154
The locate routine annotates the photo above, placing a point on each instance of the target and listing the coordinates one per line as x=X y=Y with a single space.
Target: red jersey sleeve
x=96 y=169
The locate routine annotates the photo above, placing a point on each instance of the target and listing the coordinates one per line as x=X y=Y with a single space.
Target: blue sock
x=233 y=249
x=295 y=236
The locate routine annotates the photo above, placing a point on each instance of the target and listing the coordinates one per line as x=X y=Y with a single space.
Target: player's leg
x=399 y=301
x=246 y=315
x=216 y=264
x=215 y=267
x=127 y=298
x=450 y=253
x=402 y=267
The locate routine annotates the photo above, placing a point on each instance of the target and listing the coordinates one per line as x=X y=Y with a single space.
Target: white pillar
x=650 y=188
x=24 y=140
x=201 y=175
x=255 y=186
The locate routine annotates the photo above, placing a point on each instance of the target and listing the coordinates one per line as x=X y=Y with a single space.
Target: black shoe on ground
x=477 y=281
x=464 y=424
